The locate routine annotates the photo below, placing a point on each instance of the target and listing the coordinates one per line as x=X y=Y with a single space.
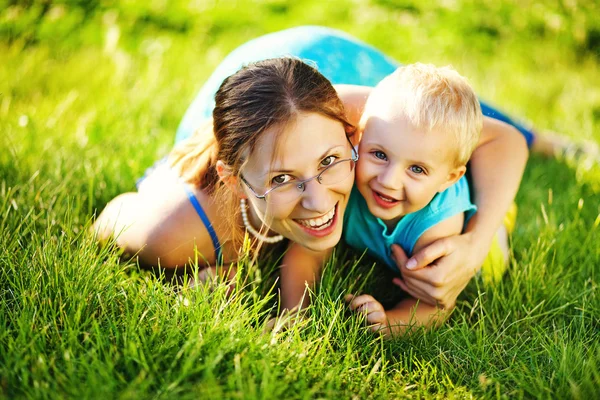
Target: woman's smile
x=320 y=226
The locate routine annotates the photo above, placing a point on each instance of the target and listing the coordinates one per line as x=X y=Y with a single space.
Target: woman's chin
x=322 y=244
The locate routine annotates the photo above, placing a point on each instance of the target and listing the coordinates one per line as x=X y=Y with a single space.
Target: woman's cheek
x=283 y=211
x=349 y=182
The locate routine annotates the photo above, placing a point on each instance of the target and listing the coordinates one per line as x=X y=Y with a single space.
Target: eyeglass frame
x=353 y=158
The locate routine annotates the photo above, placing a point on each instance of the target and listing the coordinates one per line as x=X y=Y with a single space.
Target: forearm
x=294 y=285
x=354 y=98
x=496 y=168
x=300 y=270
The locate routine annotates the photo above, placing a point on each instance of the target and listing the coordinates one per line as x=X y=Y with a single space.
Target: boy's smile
x=385 y=201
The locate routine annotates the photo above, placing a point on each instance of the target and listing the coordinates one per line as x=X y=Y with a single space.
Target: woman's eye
x=380 y=155
x=415 y=169
x=280 y=179
x=327 y=161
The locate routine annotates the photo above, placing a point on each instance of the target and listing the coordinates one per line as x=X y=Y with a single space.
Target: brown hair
x=262 y=95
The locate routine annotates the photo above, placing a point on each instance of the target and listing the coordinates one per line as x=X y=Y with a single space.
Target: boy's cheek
x=362 y=181
x=360 y=174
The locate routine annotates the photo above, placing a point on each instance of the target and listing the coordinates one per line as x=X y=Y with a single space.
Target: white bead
x=254 y=232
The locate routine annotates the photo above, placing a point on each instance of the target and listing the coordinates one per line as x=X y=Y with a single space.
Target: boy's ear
x=453 y=176
x=226 y=176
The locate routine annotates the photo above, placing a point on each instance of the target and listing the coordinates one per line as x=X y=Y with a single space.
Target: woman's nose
x=316 y=197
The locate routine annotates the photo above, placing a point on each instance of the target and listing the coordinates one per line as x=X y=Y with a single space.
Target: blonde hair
x=433 y=97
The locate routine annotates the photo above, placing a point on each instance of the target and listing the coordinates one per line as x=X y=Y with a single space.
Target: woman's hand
x=439 y=272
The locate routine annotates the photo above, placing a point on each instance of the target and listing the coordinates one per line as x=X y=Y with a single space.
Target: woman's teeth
x=318 y=223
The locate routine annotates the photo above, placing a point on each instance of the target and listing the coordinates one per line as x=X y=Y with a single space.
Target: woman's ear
x=453 y=177
x=226 y=176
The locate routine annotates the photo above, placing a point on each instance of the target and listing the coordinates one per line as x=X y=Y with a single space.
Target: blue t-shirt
x=364 y=231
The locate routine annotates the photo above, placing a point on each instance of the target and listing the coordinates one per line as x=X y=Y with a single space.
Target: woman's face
x=313 y=217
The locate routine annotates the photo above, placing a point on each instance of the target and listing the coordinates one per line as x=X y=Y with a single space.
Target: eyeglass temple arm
x=258 y=196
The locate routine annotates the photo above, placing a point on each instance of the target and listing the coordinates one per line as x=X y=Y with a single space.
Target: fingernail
x=411 y=263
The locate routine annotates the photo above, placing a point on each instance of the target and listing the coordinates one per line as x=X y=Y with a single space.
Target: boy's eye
x=415 y=169
x=280 y=179
x=327 y=161
x=380 y=155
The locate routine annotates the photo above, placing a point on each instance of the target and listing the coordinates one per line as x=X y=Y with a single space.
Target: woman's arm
x=158 y=224
x=497 y=166
x=300 y=270
x=354 y=98
x=118 y=221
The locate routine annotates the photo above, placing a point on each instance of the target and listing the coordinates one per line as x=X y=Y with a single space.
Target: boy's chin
x=384 y=214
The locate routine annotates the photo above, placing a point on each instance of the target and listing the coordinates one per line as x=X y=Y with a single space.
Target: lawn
x=91 y=93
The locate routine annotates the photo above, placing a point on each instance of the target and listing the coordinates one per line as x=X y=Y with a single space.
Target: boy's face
x=401 y=167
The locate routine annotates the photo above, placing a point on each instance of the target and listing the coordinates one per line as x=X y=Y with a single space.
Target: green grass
x=90 y=95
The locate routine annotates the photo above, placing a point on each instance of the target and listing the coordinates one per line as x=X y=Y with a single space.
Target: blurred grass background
x=91 y=93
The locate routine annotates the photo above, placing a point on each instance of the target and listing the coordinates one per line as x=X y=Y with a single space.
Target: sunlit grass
x=91 y=95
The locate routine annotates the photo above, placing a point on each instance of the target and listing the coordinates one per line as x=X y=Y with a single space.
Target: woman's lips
x=321 y=230
x=383 y=200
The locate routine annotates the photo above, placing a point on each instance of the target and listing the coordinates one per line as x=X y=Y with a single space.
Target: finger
x=439 y=297
x=370 y=307
x=399 y=256
x=376 y=317
x=399 y=282
x=377 y=328
x=429 y=254
x=360 y=300
x=417 y=293
x=435 y=274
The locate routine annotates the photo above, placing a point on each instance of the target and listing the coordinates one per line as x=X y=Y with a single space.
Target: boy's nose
x=390 y=178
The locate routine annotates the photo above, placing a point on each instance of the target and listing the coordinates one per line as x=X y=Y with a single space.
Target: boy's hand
x=372 y=309
x=451 y=263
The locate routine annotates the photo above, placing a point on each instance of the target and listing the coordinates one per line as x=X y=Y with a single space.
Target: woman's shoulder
x=167 y=226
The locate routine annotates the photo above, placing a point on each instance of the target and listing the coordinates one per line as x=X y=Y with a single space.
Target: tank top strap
x=211 y=231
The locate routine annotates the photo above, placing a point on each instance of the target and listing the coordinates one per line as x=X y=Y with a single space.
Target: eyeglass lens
x=333 y=174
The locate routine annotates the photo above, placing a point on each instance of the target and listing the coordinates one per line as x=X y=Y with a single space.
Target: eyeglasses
x=290 y=191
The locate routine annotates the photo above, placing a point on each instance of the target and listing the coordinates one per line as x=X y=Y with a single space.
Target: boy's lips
x=321 y=226
x=384 y=201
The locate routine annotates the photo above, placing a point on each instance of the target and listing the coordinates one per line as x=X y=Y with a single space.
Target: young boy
x=420 y=126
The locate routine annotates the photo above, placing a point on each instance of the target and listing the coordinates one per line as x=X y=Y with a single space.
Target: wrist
x=480 y=233
x=480 y=243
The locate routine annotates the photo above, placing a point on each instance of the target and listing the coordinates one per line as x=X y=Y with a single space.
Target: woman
x=159 y=215
x=272 y=119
